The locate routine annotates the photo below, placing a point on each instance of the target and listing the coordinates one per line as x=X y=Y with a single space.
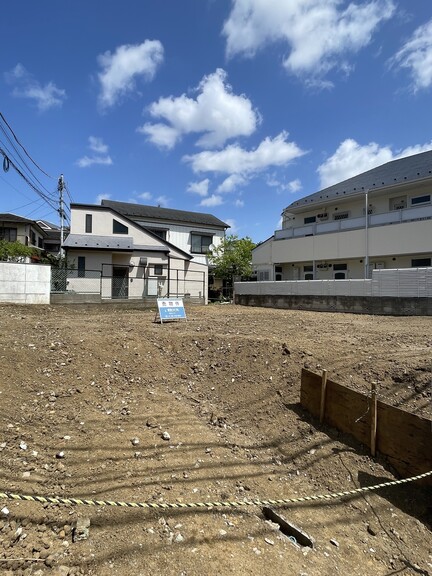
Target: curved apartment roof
x=403 y=170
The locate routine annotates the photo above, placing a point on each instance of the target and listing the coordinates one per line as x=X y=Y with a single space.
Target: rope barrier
x=208 y=505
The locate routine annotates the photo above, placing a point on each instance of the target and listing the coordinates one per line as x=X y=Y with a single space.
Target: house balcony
x=374 y=220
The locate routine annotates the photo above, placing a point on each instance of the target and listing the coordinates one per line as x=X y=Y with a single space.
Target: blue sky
x=229 y=107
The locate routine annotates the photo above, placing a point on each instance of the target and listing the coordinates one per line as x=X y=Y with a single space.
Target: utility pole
x=60 y=188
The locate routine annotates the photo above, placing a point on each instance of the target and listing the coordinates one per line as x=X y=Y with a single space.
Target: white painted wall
x=25 y=283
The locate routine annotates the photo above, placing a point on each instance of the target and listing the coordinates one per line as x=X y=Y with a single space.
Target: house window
x=32 y=238
x=119 y=228
x=200 y=244
x=81 y=266
x=40 y=242
x=160 y=232
x=8 y=234
x=340 y=267
x=158 y=269
x=420 y=262
x=88 y=223
x=421 y=200
x=309 y=219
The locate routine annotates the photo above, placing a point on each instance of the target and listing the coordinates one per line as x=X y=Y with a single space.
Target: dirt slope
x=87 y=393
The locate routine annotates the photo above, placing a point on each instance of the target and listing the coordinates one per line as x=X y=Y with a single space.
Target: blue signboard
x=171 y=309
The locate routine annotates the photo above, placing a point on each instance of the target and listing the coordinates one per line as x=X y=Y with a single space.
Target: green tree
x=232 y=258
x=15 y=251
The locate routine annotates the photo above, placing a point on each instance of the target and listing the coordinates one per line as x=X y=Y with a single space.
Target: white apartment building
x=379 y=219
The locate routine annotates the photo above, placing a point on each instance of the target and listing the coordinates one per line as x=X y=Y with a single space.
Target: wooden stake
x=323 y=394
x=373 y=430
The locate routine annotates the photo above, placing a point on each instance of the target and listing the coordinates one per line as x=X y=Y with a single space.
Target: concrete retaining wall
x=391 y=306
x=25 y=283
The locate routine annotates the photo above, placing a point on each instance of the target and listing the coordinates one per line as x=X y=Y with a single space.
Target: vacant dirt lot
x=104 y=403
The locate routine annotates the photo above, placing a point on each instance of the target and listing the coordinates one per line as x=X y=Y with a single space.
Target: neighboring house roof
x=99 y=242
x=140 y=211
x=401 y=171
x=15 y=219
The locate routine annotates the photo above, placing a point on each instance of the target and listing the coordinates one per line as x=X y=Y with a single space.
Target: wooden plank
x=323 y=395
x=405 y=438
x=373 y=418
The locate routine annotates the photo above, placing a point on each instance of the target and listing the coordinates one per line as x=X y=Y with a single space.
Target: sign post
x=170 y=309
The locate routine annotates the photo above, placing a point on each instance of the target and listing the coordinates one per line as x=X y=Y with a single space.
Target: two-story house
x=137 y=251
x=14 y=228
x=381 y=218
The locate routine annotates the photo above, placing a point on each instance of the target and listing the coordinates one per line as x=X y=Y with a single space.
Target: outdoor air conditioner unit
x=322 y=216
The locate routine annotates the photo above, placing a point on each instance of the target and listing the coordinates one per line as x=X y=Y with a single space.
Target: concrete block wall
x=24 y=283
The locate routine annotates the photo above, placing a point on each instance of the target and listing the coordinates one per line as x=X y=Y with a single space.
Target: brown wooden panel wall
x=405 y=438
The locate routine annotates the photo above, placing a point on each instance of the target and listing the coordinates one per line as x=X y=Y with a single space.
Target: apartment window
x=308 y=276
x=263 y=275
x=119 y=228
x=88 y=223
x=81 y=266
x=339 y=276
x=200 y=244
x=310 y=219
x=158 y=269
x=8 y=234
x=278 y=269
x=420 y=200
x=340 y=267
x=341 y=216
x=420 y=262
x=308 y=268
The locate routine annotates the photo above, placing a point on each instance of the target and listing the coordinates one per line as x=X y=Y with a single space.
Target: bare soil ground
x=87 y=393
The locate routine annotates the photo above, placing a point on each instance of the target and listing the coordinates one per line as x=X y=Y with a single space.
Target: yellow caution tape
x=228 y=504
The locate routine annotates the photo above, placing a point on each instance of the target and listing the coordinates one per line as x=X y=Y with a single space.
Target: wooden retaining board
x=404 y=438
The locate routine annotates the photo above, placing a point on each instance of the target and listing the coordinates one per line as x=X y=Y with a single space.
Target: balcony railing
x=394 y=217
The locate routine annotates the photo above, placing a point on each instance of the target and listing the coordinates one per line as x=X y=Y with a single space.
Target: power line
x=25 y=151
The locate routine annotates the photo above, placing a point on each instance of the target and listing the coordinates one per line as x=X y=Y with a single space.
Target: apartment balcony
x=374 y=220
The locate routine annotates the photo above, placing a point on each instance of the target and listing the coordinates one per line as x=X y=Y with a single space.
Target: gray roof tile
x=403 y=170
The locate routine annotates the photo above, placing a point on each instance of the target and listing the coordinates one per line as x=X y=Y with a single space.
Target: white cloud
x=101 y=197
x=200 y=188
x=100 y=154
x=292 y=187
x=144 y=196
x=162 y=201
x=217 y=113
x=25 y=86
x=213 y=200
x=231 y=183
x=351 y=159
x=233 y=228
x=161 y=135
x=239 y=203
x=318 y=34
x=121 y=69
x=235 y=160
x=416 y=55
x=97 y=145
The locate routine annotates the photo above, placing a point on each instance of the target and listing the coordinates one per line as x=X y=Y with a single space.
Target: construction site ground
x=104 y=403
